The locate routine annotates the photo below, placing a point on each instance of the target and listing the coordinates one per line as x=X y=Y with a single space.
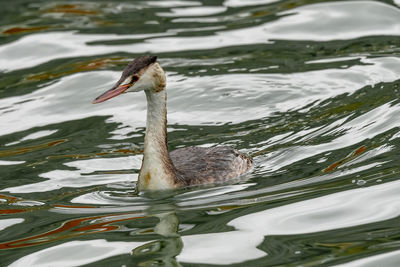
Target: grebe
x=184 y=166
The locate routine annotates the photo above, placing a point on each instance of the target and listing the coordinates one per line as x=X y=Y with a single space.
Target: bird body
x=203 y=165
x=182 y=167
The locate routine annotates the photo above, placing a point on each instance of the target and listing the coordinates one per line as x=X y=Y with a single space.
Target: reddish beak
x=111 y=93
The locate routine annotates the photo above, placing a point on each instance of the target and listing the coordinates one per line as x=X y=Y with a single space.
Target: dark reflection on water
x=309 y=88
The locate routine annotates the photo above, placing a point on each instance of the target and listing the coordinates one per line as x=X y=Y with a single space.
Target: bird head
x=143 y=73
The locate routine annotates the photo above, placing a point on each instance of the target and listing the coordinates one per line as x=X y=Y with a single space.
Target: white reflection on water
x=106 y=164
x=11 y=162
x=173 y=3
x=318 y=22
x=372 y=123
x=193 y=11
x=4 y=223
x=32 y=136
x=335 y=211
x=76 y=253
x=192 y=100
x=57 y=179
x=245 y=3
x=330 y=21
x=49 y=46
x=60 y=179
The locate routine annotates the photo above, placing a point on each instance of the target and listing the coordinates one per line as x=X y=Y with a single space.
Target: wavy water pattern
x=310 y=89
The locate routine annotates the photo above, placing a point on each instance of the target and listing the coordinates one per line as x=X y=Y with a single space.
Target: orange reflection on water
x=17 y=30
x=71 y=9
x=352 y=155
x=9 y=199
x=71 y=228
x=22 y=150
x=11 y=211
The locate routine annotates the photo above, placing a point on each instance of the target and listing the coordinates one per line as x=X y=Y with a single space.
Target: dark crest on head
x=135 y=66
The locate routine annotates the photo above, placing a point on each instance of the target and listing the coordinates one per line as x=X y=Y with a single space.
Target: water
x=309 y=88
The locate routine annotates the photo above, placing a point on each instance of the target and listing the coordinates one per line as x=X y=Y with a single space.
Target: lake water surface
x=311 y=89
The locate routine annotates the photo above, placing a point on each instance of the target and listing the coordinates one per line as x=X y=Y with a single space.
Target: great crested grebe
x=184 y=166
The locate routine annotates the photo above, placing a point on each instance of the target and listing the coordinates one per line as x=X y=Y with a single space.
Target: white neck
x=157 y=171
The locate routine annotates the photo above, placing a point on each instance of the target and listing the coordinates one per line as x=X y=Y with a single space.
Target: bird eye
x=134 y=79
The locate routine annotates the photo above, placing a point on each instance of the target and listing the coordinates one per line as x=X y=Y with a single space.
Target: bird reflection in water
x=163 y=252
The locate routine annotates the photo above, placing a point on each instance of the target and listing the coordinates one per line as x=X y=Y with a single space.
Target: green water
x=310 y=89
